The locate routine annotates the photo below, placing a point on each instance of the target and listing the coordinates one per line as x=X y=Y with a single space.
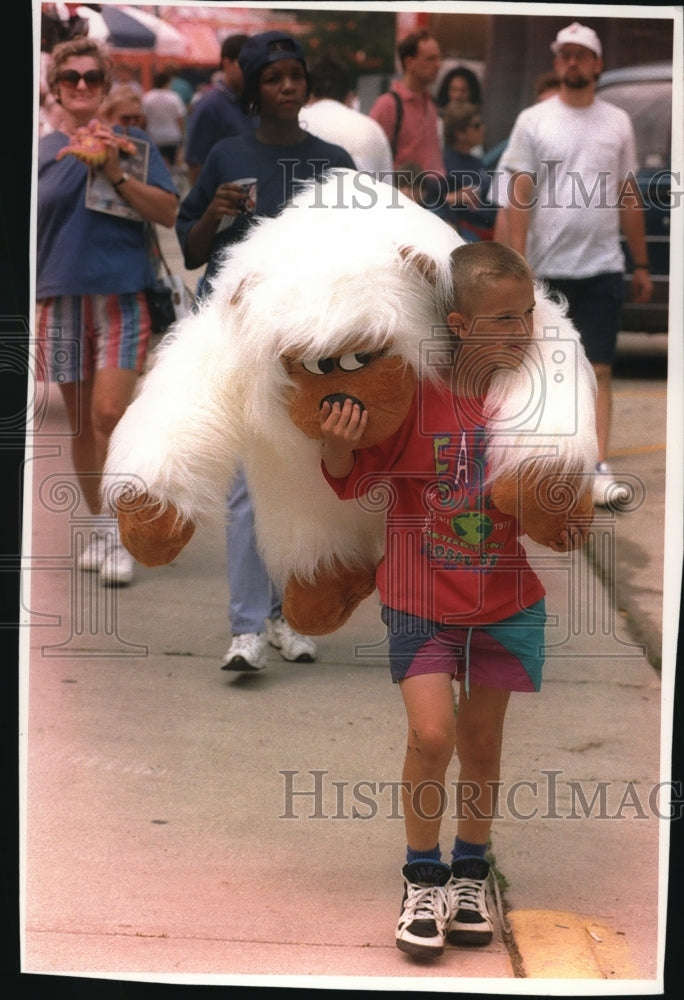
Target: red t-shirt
x=450 y=555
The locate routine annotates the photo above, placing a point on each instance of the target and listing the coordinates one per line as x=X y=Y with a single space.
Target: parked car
x=645 y=93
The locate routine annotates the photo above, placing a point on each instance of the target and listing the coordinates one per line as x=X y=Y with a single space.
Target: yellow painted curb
x=553 y=944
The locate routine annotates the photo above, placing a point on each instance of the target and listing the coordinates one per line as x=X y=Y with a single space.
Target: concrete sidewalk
x=185 y=822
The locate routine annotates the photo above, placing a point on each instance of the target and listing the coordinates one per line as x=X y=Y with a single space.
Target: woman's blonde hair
x=81 y=46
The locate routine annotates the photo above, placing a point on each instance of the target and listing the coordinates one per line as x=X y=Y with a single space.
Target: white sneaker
x=246 y=652
x=424 y=909
x=92 y=557
x=290 y=644
x=469 y=921
x=607 y=492
x=116 y=569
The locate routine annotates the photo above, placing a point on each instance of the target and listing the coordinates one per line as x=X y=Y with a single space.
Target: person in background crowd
x=218 y=114
x=407 y=112
x=330 y=116
x=573 y=242
x=279 y=153
x=124 y=107
x=546 y=85
x=459 y=84
x=92 y=268
x=165 y=114
x=125 y=76
x=179 y=85
x=468 y=182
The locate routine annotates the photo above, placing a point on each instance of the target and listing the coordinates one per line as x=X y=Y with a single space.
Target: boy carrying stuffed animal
x=459 y=597
x=437 y=372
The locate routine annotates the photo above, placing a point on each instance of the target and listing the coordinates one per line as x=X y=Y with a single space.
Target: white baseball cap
x=577 y=34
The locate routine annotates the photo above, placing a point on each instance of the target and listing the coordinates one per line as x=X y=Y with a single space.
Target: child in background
x=459 y=597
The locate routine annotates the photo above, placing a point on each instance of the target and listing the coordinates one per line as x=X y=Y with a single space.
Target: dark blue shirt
x=217 y=115
x=80 y=251
x=277 y=170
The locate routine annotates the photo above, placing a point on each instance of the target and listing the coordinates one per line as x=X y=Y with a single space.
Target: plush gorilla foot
x=324 y=604
x=153 y=536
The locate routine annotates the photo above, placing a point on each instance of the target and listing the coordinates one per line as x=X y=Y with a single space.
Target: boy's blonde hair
x=476 y=266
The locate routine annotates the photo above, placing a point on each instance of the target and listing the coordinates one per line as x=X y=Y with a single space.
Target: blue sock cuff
x=462 y=849
x=434 y=854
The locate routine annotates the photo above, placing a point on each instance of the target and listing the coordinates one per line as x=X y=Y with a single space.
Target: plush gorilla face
x=383 y=385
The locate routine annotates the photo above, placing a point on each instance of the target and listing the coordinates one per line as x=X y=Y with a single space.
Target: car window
x=649 y=105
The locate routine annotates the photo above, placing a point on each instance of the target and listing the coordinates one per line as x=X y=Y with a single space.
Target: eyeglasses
x=131 y=119
x=92 y=78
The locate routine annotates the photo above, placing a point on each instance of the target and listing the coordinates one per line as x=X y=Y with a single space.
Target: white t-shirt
x=579 y=159
x=363 y=138
x=164 y=111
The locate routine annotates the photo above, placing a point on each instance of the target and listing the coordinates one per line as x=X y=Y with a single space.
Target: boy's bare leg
x=431 y=720
x=479 y=738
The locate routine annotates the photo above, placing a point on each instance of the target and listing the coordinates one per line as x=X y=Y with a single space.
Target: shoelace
x=426 y=903
x=468 y=894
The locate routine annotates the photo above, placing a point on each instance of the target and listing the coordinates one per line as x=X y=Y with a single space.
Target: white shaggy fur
x=545 y=409
x=344 y=265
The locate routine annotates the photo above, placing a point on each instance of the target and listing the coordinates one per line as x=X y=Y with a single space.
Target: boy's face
x=498 y=329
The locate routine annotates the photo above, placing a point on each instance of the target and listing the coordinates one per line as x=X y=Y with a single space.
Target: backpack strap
x=400 y=115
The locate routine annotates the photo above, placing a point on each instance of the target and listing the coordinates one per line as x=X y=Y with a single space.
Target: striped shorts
x=81 y=334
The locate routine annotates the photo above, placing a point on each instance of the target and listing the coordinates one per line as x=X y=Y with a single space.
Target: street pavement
x=186 y=824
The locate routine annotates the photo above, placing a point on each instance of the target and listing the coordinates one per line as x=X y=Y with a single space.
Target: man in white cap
x=572 y=161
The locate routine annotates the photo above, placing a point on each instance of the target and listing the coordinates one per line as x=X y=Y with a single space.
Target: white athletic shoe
x=608 y=492
x=424 y=909
x=290 y=644
x=469 y=921
x=93 y=554
x=246 y=652
x=117 y=566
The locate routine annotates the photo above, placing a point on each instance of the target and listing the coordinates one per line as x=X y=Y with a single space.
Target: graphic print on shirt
x=463 y=530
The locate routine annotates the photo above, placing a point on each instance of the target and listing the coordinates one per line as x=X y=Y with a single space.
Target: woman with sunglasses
x=92 y=268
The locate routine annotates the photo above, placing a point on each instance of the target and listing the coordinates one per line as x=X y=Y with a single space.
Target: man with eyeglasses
x=572 y=190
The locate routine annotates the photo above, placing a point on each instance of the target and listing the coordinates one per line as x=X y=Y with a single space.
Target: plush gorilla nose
x=340 y=397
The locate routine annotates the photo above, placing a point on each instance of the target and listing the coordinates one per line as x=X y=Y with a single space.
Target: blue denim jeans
x=253 y=596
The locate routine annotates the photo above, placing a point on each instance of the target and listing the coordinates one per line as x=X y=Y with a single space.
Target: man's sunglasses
x=92 y=78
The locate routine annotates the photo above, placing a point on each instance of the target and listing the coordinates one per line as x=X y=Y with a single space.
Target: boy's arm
x=342 y=427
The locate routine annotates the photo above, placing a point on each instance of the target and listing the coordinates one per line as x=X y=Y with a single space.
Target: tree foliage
x=366 y=40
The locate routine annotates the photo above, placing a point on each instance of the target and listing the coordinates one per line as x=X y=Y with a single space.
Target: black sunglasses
x=71 y=78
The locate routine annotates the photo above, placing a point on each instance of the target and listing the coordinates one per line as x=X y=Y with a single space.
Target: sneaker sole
x=240 y=665
x=470 y=939
x=302 y=658
x=419 y=950
x=115 y=581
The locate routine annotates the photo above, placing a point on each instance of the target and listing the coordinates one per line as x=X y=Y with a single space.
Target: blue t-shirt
x=277 y=169
x=465 y=170
x=80 y=251
x=217 y=115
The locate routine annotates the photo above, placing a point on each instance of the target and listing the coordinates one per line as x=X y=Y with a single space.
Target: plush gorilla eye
x=321 y=367
x=351 y=362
